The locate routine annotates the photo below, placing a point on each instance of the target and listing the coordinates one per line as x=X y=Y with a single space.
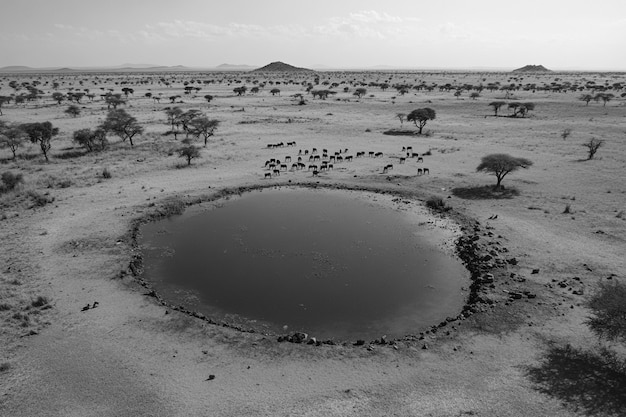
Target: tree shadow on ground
x=588 y=382
x=484 y=192
x=71 y=154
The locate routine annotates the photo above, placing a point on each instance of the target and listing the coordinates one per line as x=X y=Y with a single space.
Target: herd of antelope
x=317 y=162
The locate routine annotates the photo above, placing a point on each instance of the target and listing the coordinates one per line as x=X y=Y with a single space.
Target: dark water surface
x=319 y=261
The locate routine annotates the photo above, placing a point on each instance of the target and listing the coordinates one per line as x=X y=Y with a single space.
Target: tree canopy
x=12 y=137
x=122 y=124
x=420 y=117
x=500 y=164
x=608 y=305
x=41 y=133
x=92 y=140
x=203 y=126
x=189 y=152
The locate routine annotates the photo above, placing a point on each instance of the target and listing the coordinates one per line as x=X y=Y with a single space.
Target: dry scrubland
x=66 y=243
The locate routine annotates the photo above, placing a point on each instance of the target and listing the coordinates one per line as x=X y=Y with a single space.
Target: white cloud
x=367 y=24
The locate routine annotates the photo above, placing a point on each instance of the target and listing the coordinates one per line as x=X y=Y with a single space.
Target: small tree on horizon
x=240 y=91
x=3 y=100
x=420 y=117
x=496 y=106
x=360 y=92
x=586 y=98
x=500 y=164
x=73 y=110
x=113 y=100
x=605 y=97
x=58 y=97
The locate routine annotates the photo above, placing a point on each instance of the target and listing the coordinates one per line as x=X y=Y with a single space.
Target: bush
x=106 y=174
x=437 y=204
x=172 y=207
x=10 y=181
x=608 y=305
x=39 y=302
x=39 y=200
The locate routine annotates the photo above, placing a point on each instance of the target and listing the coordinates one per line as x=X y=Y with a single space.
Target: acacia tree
x=521 y=109
x=12 y=138
x=113 y=100
x=173 y=113
x=208 y=98
x=605 y=97
x=92 y=140
x=496 y=106
x=592 y=147
x=122 y=124
x=58 y=97
x=500 y=164
x=185 y=118
x=360 y=92
x=203 y=126
x=127 y=91
x=586 y=98
x=189 y=152
x=41 y=133
x=401 y=116
x=420 y=117
x=73 y=110
x=275 y=91
x=3 y=100
x=240 y=90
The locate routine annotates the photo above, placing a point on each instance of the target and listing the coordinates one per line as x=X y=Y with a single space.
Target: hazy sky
x=559 y=34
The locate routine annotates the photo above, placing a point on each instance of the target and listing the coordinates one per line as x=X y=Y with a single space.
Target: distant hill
x=234 y=67
x=532 y=68
x=281 y=67
x=15 y=68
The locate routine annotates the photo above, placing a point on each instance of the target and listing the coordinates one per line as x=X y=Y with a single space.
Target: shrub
x=106 y=174
x=39 y=200
x=5 y=366
x=437 y=204
x=608 y=305
x=39 y=302
x=10 y=181
x=172 y=207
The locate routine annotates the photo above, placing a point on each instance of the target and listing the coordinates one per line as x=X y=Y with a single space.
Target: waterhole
x=335 y=264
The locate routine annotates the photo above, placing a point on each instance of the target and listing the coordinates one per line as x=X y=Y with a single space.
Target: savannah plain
x=553 y=235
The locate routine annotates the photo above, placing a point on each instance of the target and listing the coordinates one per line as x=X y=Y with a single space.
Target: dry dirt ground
x=65 y=236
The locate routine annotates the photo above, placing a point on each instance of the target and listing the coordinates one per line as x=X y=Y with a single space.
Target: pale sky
x=458 y=34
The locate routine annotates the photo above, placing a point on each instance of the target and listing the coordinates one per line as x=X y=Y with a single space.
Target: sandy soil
x=133 y=356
